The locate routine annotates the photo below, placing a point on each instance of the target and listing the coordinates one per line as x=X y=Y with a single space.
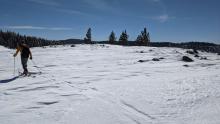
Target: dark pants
x=24 y=64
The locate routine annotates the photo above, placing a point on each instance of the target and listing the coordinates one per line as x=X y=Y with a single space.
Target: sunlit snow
x=107 y=85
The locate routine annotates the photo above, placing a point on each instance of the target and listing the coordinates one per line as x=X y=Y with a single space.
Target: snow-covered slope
x=107 y=85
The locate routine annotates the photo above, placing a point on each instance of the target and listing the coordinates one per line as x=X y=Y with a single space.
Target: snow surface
x=107 y=85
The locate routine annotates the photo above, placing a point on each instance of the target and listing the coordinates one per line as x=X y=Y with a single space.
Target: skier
x=25 y=53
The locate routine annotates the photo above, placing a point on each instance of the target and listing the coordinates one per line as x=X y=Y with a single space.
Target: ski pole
x=14 y=65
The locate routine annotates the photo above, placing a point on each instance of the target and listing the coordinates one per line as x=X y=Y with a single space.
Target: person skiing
x=25 y=53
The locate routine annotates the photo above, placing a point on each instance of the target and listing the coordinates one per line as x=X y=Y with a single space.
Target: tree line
x=142 y=40
x=11 y=39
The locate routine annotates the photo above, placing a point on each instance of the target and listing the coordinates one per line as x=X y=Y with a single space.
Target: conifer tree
x=123 y=40
x=139 y=40
x=112 y=38
x=88 y=38
x=144 y=38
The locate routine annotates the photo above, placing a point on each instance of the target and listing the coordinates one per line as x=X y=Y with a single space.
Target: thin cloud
x=162 y=18
x=45 y=2
x=37 y=28
x=57 y=6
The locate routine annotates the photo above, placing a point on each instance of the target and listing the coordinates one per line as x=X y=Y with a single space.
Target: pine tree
x=144 y=38
x=88 y=38
x=112 y=38
x=139 y=40
x=123 y=40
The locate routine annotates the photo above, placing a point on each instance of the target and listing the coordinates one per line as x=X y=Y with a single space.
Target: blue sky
x=166 y=20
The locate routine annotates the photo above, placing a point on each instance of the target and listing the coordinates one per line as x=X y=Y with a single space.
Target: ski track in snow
x=107 y=85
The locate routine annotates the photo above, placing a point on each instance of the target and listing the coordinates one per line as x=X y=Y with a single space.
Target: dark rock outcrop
x=187 y=59
x=155 y=59
x=196 y=56
x=186 y=65
x=193 y=52
x=141 y=61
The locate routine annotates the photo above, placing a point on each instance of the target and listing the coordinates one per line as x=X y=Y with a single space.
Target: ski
x=24 y=75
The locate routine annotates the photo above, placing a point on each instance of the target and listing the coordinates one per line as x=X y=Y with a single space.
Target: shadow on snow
x=8 y=80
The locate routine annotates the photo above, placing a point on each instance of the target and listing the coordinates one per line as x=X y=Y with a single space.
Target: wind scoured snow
x=107 y=85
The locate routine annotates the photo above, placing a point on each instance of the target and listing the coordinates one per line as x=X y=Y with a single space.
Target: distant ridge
x=72 y=41
x=203 y=46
